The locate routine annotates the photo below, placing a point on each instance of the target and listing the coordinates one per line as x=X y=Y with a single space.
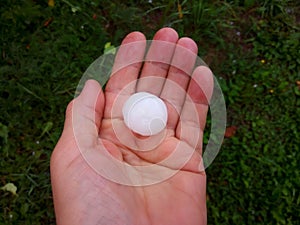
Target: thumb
x=86 y=113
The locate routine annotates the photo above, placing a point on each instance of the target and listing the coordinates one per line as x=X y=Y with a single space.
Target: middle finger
x=174 y=90
x=157 y=61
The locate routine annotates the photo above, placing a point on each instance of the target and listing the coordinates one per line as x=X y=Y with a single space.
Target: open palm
x=94 y=126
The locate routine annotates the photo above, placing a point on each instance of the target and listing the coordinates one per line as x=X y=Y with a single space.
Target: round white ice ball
x=145 y=113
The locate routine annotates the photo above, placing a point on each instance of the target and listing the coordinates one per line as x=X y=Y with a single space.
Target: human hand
x=81 y=195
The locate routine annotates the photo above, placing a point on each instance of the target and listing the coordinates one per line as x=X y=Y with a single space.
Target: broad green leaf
x=10 y=187
x=109 y=48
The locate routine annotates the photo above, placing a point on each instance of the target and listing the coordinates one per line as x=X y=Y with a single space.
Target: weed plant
x=251 y=46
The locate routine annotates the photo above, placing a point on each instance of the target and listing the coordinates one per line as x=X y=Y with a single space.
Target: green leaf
x=10 y=187
x=4 y=132
x=297 y=91
x=47 y=128
x=109 y=49
x=75 y=9
x=24 y=209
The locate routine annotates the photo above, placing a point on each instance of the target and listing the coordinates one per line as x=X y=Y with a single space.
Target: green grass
x=252 y=47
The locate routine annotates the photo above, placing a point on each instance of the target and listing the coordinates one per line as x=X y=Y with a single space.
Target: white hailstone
x=145 y=114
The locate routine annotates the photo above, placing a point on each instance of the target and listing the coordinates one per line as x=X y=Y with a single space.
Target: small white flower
x=238 y=33
x=255 y=85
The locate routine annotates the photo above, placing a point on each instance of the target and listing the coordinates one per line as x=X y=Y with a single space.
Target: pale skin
x=83 y=197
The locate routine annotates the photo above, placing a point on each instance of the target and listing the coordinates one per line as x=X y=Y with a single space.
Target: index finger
x=125 y=71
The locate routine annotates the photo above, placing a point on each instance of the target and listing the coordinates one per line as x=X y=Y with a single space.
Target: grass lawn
x=251 y=46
